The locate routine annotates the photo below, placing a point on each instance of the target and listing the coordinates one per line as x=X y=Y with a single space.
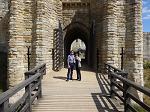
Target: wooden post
x=109 y=72
x=126 y=97
x=40 y=85
x=122 y=56
x=28 y=53
x=40 y=88
x=112 y=87
x=97 y=60
x=5 y=106
x=28 y=90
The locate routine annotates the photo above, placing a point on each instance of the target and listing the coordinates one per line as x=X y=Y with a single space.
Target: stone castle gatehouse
x=50 y=26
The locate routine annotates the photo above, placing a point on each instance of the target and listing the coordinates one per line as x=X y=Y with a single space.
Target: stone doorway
x=77 y=31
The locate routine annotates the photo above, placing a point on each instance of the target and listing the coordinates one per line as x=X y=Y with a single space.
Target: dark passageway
x=73 y=32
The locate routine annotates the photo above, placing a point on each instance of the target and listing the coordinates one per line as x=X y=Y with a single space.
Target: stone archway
x=75 y=31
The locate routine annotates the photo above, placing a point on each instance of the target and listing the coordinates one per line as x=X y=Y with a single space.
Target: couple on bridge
x=73 y=61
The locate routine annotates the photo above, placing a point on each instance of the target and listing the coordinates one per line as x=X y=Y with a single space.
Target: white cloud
x=147 y=16
x=146 y=9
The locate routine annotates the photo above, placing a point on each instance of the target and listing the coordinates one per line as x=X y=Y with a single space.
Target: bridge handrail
x=125 y=87
x=112 y=68
x=33 y=90
x=40 y=68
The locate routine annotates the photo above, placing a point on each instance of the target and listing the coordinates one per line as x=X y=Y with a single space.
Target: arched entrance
x=76 y=31
x=78 y=46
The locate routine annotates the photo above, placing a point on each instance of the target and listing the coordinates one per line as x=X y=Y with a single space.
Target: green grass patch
x=146 y=65
x=147 y=84
x=139 y=109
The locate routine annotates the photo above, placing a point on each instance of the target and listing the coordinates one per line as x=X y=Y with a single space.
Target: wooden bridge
x=94 y=93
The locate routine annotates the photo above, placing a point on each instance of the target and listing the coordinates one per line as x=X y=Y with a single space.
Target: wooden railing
x=33 y=90
x=119 y=81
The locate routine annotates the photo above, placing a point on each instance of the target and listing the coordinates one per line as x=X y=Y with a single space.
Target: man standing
x=71 y=64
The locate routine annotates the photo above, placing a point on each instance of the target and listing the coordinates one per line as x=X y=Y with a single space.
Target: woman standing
x=78 y=66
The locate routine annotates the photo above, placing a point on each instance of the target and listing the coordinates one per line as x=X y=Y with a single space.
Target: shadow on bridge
x=102 y=100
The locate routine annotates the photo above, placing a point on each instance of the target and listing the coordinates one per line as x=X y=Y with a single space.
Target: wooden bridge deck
x=88 y=95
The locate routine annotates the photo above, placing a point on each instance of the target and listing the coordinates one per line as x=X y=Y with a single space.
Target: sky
x=146 y=15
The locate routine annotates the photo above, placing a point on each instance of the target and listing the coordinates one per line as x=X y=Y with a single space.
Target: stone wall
x=3 y=25
x=110 y=42
x=114 y=44
x=134 y=42
x=16 y=43
x=29 y=23
x=75 y=11
x=146 y=45
x=3 y=42
x=50 y=22
x=121 y=28
x=16 y=46
x=106 y=25
x=42 y=17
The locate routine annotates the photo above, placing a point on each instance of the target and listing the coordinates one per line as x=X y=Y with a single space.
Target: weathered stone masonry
x=105 y=26
x=146 y=46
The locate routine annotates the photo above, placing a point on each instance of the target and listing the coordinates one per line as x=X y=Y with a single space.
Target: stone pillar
x=29 y=32
x=16 y=44
x=37 y=41
x=121 y=27
x=59 y=11
x=134 y=42
x=110 y=42
x=96 y=9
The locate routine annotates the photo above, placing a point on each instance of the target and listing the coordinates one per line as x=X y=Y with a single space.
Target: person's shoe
x=67 y=79
x=79 y=79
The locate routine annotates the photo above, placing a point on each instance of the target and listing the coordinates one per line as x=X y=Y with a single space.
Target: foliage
x=146 y=65
x=147 y=84
x=139 y=109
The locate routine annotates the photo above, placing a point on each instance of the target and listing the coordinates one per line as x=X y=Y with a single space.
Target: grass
x=139 y=109
x=147 y=84
x=146 y=65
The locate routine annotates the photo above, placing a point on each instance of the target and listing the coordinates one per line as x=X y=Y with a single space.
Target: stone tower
x=50 y=26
